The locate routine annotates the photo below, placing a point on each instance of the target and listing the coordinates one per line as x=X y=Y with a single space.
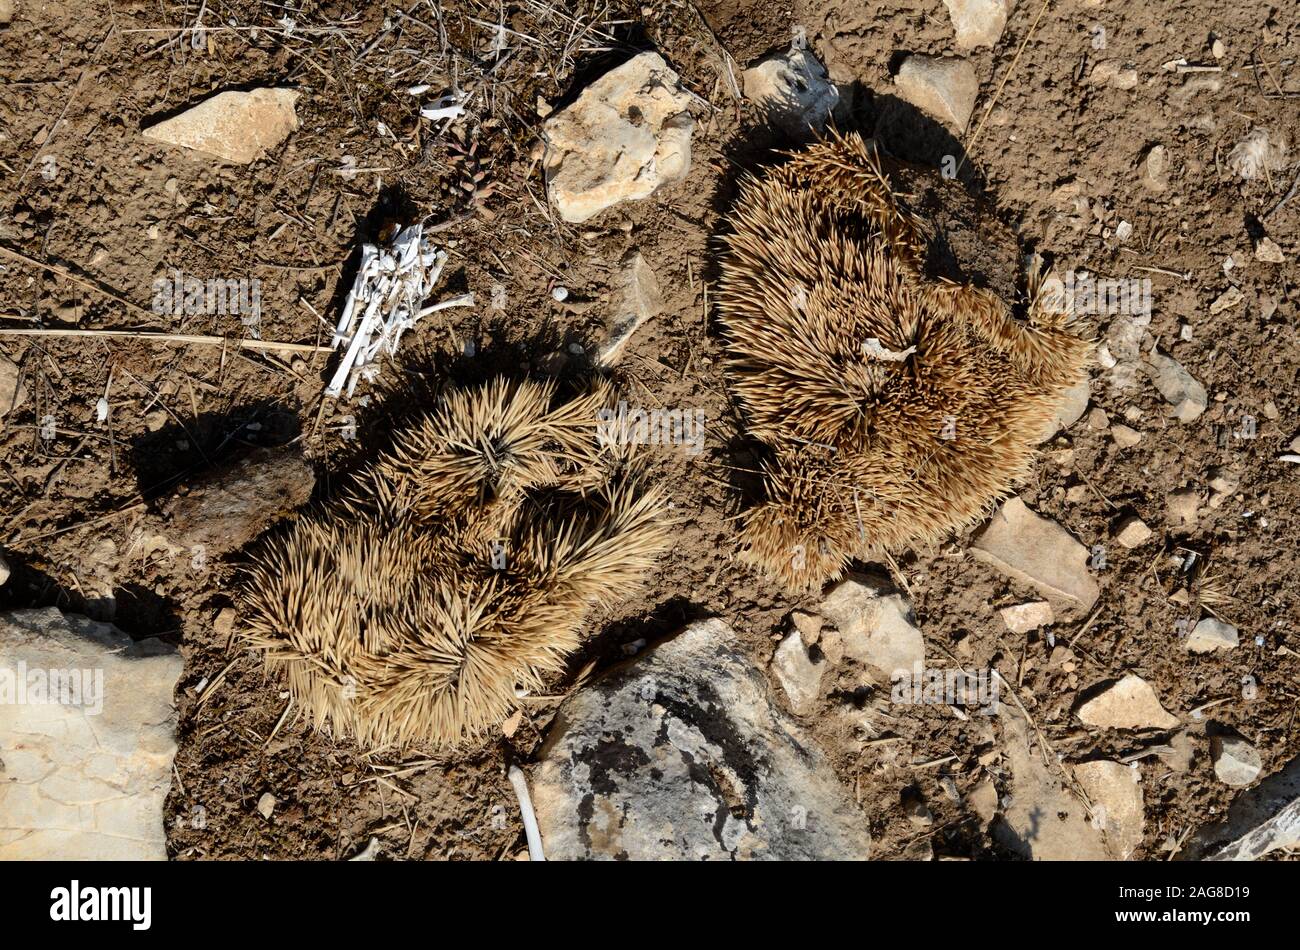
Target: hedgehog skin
x=387 y=615
x=873 y=447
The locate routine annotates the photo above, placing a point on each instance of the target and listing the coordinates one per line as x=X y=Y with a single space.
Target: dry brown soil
x=1056 y=162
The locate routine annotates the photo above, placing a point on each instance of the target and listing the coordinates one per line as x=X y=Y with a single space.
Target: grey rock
x=942 y=87
x=1236 y=761
x=798 y=673
x=86 y=767
x=1210 y=635
x=639 y=299
x=1179 y=387
x=876 y=624
x=681 y=755
x=792 y=91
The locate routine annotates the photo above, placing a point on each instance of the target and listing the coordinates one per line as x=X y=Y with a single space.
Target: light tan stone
x=942 y=87
x=1115 y=791
x=624 y=137
x=1022 y=618
x=1133 y=532
x=235 y=127
x=1128 y=703
x=1037 y=551
x=1210 y=634
x=978 y=22
x=876 y=624
x=84 y=777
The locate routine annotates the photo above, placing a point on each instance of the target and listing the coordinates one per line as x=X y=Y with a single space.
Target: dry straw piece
x=458 y=568
x=897 y=407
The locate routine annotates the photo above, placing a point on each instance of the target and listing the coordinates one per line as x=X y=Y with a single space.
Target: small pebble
x=1133 y=532
x=1236 y=761
x=1125 y=437
x=266 y=805
x=1268 y=252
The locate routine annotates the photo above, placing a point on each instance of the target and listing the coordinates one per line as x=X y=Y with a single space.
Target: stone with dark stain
x=226 y=509
x=683 y=755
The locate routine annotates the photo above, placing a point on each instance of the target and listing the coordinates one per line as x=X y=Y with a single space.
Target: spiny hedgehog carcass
x=897 y=406
x=457 y=569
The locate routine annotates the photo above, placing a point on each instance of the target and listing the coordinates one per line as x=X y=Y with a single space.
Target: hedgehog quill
x=458 y=569
x=897 y=407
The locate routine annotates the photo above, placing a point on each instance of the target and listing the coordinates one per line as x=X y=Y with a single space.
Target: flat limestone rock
x=1115 y=792
x=1037 y=551
x=682 y=754
x=1128 y=703
x=625 y=136
x=942 y=87
x=639 y=299
x=87 y=737
x=978 y=22
x=876 y=624
x=1043 y=821
x=232 y=126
